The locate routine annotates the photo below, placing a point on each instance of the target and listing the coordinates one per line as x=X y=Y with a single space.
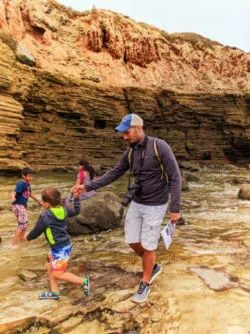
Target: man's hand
x=79 y=188
x=174 y=217
x=76 y=194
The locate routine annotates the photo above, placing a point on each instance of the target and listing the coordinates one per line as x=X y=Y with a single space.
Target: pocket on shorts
x=150 y=237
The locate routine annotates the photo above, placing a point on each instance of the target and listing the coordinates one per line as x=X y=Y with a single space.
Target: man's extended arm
x=111 y=176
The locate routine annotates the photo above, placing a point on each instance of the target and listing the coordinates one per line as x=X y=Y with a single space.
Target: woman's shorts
x=58 y=258
x=20 y=212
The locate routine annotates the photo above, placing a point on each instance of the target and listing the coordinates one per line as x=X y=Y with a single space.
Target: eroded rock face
x=248 y=62
x=92 y=68
x=11 y=19
x=63 y=41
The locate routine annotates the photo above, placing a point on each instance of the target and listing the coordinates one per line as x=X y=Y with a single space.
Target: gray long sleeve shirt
x=154 y=189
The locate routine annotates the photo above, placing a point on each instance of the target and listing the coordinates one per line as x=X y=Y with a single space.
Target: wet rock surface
x=205 y=278
x=216 y=279
x=240 y=180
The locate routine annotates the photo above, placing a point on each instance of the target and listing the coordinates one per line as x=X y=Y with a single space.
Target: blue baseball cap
x=128 y=121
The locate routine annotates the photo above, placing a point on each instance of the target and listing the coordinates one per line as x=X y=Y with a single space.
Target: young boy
x=19 y=199
x=53 y=222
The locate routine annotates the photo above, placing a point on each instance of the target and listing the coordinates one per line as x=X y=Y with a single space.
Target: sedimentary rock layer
x=67 y=78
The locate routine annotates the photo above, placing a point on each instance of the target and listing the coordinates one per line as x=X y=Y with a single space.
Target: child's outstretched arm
x=76 y=209
x=39 y=228
x=35 y=199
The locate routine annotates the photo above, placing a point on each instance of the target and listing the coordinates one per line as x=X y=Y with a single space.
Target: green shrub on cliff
x=189 y=37
x=72 y=13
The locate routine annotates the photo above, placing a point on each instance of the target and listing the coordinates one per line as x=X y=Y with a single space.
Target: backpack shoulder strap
x=130 y=156
x=164 y=173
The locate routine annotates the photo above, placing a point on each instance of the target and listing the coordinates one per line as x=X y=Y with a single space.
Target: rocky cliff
x=67 y=78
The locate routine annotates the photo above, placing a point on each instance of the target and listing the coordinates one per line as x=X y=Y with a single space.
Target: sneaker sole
x=155 y=276
x=140 y=301
x=43 y=298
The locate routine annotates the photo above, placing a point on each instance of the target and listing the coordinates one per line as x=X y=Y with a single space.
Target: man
x=148 y=207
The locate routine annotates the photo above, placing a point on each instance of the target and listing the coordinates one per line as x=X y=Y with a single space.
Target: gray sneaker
x=155 y=273
x=142 y=293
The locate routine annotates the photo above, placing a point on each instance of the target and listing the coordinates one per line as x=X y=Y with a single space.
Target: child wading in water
x=53 y=222
x=86 y=173
x=19 y=199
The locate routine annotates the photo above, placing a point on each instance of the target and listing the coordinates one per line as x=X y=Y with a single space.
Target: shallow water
x=32 y=253
x=217 y=235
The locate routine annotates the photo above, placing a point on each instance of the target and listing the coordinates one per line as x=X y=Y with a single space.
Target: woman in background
x=86 y=173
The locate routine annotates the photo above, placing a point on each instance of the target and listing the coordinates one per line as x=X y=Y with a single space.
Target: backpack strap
x=130 y=161
x=130 y=156
x=164 y=173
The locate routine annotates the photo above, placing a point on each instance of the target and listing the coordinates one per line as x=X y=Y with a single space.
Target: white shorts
x=143 y=224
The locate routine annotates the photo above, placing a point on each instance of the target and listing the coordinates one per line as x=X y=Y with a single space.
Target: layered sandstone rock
x=91 y=68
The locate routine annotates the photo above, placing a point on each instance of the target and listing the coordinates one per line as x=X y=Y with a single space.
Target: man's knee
x=148 y=252
x=136 y=245
x=138 y=249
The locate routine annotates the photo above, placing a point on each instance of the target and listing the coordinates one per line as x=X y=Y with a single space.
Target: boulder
x=27 y=275
x=99 y=213
x=24 y=55
x=244 y=192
